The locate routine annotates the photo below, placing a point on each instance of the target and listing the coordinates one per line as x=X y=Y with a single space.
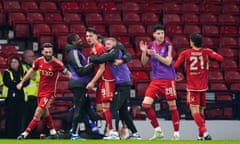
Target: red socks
x=175 y=119
x=152 y=116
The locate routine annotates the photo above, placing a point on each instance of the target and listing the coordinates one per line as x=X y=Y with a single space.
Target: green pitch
x=116 y=142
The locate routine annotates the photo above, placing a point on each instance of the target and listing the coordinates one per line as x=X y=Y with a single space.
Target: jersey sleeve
x=179 y=60
x=215 y=55
x=35 y=65
x=100 y=49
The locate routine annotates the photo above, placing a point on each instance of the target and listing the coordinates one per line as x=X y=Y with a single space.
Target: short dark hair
x=92 y=30
x=71 y=37
x=47 y=45
x=196 y=38
x=158 y=27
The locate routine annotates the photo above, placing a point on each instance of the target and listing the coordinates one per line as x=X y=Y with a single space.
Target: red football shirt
x=98 y=50
x=49 y=73
x=196 y=63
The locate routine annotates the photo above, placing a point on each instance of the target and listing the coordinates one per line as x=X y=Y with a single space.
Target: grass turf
x=5 y=141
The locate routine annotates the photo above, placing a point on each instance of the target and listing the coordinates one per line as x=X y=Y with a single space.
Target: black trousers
x=119 y=106
x=81 y=106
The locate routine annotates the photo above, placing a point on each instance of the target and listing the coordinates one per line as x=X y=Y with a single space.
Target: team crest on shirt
x=50 y=68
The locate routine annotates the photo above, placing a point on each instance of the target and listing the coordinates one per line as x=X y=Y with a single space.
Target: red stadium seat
x=131 y=18
x=136 y=30
x=47 y=6
x=69 y=6
x=141 y=88
x=72 y=18
x=117 y=30
x=2 y=19
x=39 y=29
x=3 y=62
x=108 y=7
x=208 y=18
x=180 y=41
x=139 y=76
x=210 y=8
x=137 y=39
x=230 y=1
x=213 y=2
x=132 y=52
x=112 y=18
x=30 y=6
x=124 y=40
x=210 y=30
x=231 y=30
x=188 y=29
x=12 y=6
x=229 y=64
x=77 y=28
x=218 y=86
x=53 y=17
x=59 y=29
x=189 y=8
x=101 y=28
x=93 y=18
x=214 y=65
x=229 y=42
x=16 y=17
x=8 y=50
x=35 y=17
x=228 y=19
x=171 y=18
x=149 y=18
x=228 y=53
x=171 y=8
x=215 y=76
x=149 y=6
x=230 y=9
x=231 y=76
x=210 y=42
x=46 y=38
x=235 y=86
x=135 y=64
x=174 y=29
x=21 y=30
x=188 y=18
x=130 y=6
x=88 y=7
x=61 y=41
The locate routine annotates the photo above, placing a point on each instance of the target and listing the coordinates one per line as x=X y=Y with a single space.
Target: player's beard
x=48 y=58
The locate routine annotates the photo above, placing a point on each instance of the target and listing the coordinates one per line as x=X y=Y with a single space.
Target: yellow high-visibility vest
x=32 y=88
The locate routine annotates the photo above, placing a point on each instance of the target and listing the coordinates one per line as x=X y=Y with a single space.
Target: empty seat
x=130 y=6
x=135 y=64
x=77 y=28
x=39 y=29
x=46 y=38
x=61 y=41
x=228 y=53
x=137 y=39
x=214 y=65
x=16 y=17
x=117 y=29
x=88 y=7
x=113 y=18
x=218 y=86
x=53 y=17
x=8 y=50
x=46 y=6
x=189 y=29
x=93 y=18
x=30 y=6
x=136 y=30
x=22 y=30
x=230 y=9
x=72 y=18
x=231 y=76
x=141 y=88
x=131 y=18
x=124 y=40
x=149 y=6
x=59 y=29
x=229 y=42
x=210 y=30
x=174 y=29
x=171 y=18
x=69 y=6
x=149 y=18
x=208 y=18
x=180 y=41
x=235 y=86
x=108 y=7
x=189 y=8
x=132 y=52
x=229 y=64
x=209 y=42
x=188 y=18
x=2 y=19
x=228 y=19
x=139 y=76
x=230 y=1
x=101 y=29
x=229 y=30
x=3 y=62
x=215 y=76
x=170 y=7
x=210 y=8
x=35 y=17
x=12 y=6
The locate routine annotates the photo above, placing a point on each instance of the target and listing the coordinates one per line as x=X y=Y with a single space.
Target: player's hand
x=90 y=86
x=117 y=62
x=19 y=86
x=151 y=52
x=143 y=46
